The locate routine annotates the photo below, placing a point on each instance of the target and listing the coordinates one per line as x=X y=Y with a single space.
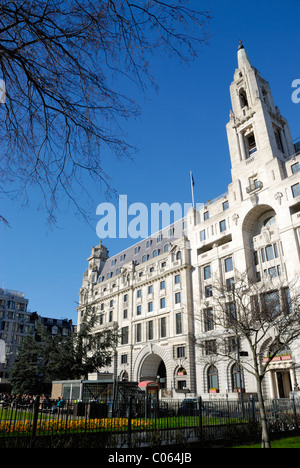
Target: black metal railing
x=139 y=418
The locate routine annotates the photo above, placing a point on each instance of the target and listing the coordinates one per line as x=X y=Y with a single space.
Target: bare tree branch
x=61 y=62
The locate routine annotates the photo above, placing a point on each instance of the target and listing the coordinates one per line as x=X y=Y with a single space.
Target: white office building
x=159 y=292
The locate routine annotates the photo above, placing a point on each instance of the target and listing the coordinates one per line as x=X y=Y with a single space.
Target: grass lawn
x=289 y=442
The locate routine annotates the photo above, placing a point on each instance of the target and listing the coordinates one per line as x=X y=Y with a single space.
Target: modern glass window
x=228 y=264
x=222 y=225
x=178 y=298
x=296 y=190
x=178 y=323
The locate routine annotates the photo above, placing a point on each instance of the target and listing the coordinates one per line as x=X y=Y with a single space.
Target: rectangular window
x=162 y=285
x=205 y=215
x=229 y=284
x=125 y=297
x=208 y=291
x=138 y=332
x=208 y=319
x=163 y=327
x=295 y=168
x=225 y=205
x=150 y=330
x=177 y=298
x=181 y=385
x=139 y=310
x=150 y=306
x=180 y=351
x=269 y=252
x=162 y=302
x=210 y=348
x=123 y=358
x=207 y=272
x=150 y=289
x=124 y=335
x=296 y=190
x=139 y=293
x=202 y=235
x=125 y=314
x=177 y=279
x=222 y=225
x=178 y=323
x=228 y=264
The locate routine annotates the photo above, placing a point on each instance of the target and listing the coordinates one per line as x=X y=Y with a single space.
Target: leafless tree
x=251 y=323
x=64 y=64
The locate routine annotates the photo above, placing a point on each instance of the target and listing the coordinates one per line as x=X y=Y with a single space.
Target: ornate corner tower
x=259 y=137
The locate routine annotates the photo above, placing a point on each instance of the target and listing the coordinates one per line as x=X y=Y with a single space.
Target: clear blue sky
x=182 y=128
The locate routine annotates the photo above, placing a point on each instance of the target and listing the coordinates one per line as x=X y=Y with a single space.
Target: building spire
x=243 y=59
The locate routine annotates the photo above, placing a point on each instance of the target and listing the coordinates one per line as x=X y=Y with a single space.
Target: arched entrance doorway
x=153 y=367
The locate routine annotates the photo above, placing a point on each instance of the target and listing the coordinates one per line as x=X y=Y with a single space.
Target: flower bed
x=59 y=426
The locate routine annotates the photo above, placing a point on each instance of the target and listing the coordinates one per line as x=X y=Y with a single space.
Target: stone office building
x=156 y=290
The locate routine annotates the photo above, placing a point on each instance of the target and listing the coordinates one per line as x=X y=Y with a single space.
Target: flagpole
x=192 y=187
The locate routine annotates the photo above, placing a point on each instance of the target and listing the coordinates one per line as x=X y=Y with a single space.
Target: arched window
x=269 y=221
x=243 y=98
x=237 y=377
x=212 y=378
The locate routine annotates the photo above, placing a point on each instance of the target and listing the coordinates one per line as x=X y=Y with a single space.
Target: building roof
x=144 y=250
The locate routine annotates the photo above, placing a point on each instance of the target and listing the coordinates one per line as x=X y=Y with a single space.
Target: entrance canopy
x=147 y=383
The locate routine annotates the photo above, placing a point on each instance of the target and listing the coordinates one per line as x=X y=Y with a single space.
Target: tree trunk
x=265 y=439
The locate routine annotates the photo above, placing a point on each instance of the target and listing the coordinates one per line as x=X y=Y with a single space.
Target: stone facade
x=158 y=290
